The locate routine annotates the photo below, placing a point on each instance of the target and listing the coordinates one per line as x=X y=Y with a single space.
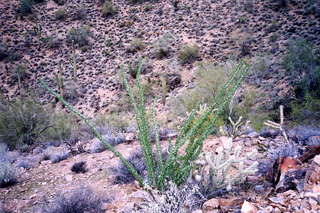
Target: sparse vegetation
x=108 y=9
x=60 y=2
x=60 y=14
x=209 y=78
x=22 y=121
x=173 y=200
x=25 y=7
x=136 y=45
x=79 y=167
x=302 y=62
x=162 y=46
x=82 y=200
x=63 y=127
x=116 y=121
x=188 y=53
x=123 y=175
x=55 y=155
x=79 y=36
x=3 y=51
x=194 y=131
x=303 y=68
x=80 y=13
x=19 y=73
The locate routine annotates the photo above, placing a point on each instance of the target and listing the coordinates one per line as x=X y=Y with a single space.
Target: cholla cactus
x=223 y=168
x=173 y=200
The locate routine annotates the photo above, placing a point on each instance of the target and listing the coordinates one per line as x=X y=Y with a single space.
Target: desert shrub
x=162 y=46
x=134 y=65
x=302 y=65
x=52 y=41
x=112 y=139
x=25 y=163
x=303 y=68
x=108 y=9
x=22 y=121
x=60 y=14
x=4 y=52
x=223 y=168
x=55 y=154
x=7 y=175
x=80 y=13
x=79 y=36
x=246 y=107
x=3 y=148
x=25 y=7
x=175 y=199
x=60 y=2
x=136 y=45
x=123 y=175
x=56 y=157
x=79 y=167
x=306 y=110
x=177 y=167
x=278 y=4
x=82 y=200
x=63 y=127
x=115 y=121
x=19 y=73
x=8 y=156
x=209 y=78
x=188 y=53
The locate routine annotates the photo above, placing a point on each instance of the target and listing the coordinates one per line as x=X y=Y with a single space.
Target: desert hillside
x=159 y=106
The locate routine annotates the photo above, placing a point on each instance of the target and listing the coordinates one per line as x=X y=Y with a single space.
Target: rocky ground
x=288 y=176
x=222 y=29
x=282 y=184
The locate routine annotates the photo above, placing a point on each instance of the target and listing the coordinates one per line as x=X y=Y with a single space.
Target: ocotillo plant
x=177 y=166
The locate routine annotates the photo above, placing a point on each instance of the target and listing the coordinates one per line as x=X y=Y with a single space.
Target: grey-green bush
x=7 y=175
x=81 y=200
x=303 y=66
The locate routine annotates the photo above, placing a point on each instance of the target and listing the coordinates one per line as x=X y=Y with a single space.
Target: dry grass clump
x=108 y=9
x=81 y=200
x=188 y=53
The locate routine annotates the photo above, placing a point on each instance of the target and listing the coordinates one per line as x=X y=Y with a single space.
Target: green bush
x=79 y=36
x=188 y=54
x=177 y=166
x=303 y=67
x=108 y=9
x=162 y=46
x=63 y=127
x=209 y=78
x=22 y=121
x=117 y=121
